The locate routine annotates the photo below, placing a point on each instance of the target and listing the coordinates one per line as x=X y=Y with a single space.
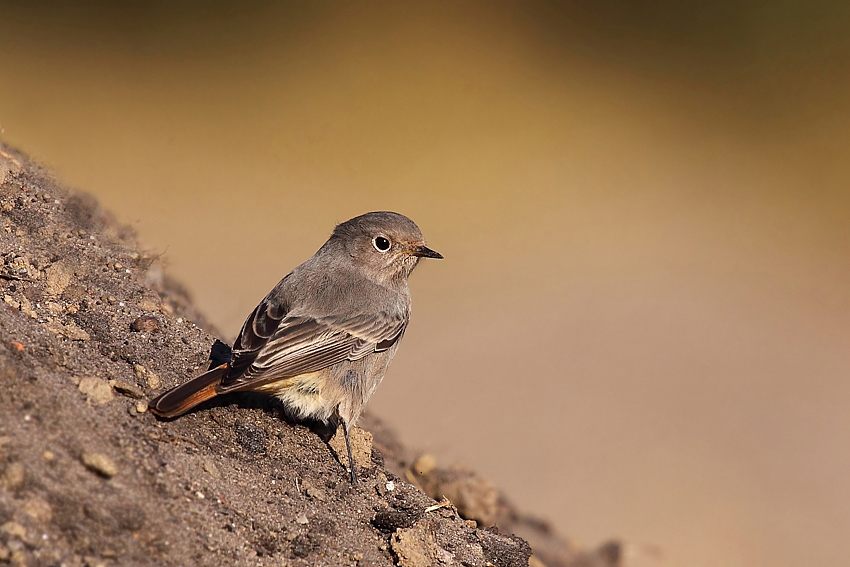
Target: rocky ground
x=90 y=328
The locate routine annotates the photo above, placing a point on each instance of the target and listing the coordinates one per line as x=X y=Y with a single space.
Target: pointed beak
x=425 y=252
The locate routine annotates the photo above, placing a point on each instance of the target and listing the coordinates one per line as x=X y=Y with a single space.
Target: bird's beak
x=425 y=252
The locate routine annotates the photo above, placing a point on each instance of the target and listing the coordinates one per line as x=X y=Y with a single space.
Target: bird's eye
x=381 y=244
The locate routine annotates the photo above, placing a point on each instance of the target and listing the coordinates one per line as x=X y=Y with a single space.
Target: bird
x=323 y=337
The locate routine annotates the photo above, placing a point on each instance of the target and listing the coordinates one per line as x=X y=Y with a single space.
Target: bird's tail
x=182 y=398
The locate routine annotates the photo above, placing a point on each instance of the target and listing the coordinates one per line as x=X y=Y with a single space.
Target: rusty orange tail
x=182 y=398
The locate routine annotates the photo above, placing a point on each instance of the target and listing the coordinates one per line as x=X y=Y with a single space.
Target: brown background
x=641 y=326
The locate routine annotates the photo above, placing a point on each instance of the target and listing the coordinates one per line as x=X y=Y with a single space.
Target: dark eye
x=381 y=244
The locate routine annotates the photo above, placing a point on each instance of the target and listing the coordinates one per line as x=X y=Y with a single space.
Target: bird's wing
x=274 y=346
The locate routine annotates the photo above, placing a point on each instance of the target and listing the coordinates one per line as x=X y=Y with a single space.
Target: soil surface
x=91 y=328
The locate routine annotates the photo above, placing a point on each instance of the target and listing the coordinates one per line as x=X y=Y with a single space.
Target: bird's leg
x=350 y=456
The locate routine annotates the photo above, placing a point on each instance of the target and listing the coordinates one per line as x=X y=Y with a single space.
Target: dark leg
x=350 y=457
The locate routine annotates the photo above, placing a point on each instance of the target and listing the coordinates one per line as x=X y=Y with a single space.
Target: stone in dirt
x=14 y=529
x=127 y=389
x=145 y=323
x=210 y=467
x=58 y=278
x=149 y=302
x=417 y=547
x=13 y=476
x=96 y=390
x=38 y=509
x=361 y=447
x=99 y=463
x=150 y=378
x=474 y=496
x=69 y=330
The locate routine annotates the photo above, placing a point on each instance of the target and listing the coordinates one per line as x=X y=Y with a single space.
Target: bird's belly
x=305 y=395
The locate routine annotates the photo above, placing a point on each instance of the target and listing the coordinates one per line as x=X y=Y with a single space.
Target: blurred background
x=642 y=325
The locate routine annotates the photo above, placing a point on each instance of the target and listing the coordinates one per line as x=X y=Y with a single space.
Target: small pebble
x=14 y=529
x=59 y=277
x=209 y=466
x=148 y=304
x=141 y=406
x=99 y=463
x=302 y=519
x=72 y=331
x=96 y=390
x=153 y=380
x=316 y=494
x=127 y=389
x=13 y=476
x=146 y=323
x=38 y=509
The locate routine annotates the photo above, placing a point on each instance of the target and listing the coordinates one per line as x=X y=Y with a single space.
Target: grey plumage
x=322 y=339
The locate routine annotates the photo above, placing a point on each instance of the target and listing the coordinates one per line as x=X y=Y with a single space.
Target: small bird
x=322 y=339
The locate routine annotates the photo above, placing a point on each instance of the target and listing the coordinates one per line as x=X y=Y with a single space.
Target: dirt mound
x=89 y=329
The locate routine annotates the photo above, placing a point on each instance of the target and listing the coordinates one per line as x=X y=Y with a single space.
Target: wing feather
x=273 y=346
